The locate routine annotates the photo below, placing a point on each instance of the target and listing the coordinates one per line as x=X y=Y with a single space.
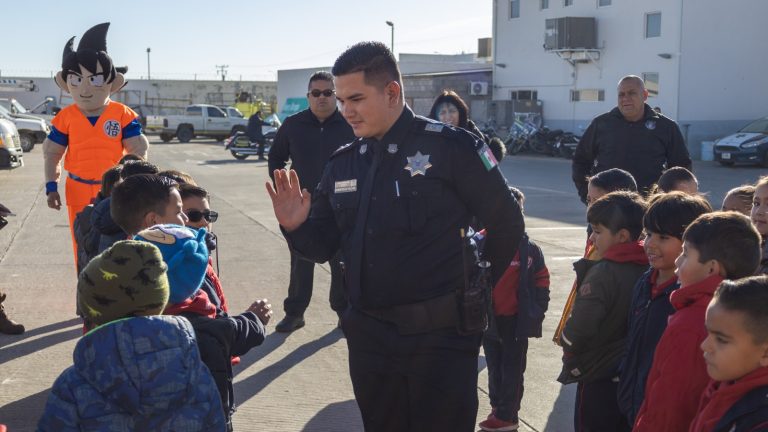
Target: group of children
x=665 y=329
x=160 y=341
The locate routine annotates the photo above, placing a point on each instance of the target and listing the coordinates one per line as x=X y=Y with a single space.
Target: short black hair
x=133 y=167
x=749 y=296
x=670 y=178
x=179 y=176
x=729 y=238
x=109 y=179
x=320 y=76
x=614 y=179
x=497 y=148
x=374 y=59
x=670 y=213
x=138 y=195
x=619 y=210
x=453 y=98
x=188 y=190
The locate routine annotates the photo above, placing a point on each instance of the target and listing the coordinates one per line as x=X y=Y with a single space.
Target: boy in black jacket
x=520 y=299
x=218 y=338
x=594 y=336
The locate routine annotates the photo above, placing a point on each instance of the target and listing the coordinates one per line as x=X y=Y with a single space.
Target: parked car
x=11 y=155
x=32 y=129
x=748 y=145
x=198 y=120
x=232 y=111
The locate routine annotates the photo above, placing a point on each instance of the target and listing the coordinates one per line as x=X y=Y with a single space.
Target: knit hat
x=184 y=252
x=128 y=279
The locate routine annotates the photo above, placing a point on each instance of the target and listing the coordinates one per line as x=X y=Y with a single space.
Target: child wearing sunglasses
x=195 y=205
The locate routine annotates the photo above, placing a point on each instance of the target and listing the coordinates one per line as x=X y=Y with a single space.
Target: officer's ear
x=645 y=94
x=393 y=92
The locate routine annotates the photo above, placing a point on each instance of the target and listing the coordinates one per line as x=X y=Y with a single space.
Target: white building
x=703 y=60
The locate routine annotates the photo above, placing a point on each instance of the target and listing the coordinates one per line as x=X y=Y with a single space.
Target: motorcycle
x=544 y=141
x=241 y=146
x=566 y=145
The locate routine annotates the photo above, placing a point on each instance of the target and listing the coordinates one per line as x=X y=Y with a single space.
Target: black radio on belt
x=474 y=297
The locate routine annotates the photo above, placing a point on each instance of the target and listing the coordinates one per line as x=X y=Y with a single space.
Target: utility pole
x=392 y=43
x=149 y=76
x=222 y=70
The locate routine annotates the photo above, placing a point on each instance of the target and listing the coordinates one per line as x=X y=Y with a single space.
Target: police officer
x=308 y=138
x=632 y=137
x=254 y=132
x=395 y=201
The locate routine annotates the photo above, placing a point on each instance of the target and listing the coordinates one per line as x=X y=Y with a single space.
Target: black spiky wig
x=91 y=52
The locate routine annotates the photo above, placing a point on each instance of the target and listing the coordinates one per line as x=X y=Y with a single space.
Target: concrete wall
x=723 y=67
x=163 y=96
x=421 y=91
x=711 y=83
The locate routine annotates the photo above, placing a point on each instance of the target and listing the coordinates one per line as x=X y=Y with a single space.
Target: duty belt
x=422 y=317
x=82 y=180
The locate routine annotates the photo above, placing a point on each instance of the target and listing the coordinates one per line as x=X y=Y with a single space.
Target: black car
x=748 y=145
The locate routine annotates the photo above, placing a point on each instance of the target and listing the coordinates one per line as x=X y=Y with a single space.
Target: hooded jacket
x=594 y=337
x=140 y=373
x=109 y=231
x=678 y=374
x=648 y=316
x=734 y=406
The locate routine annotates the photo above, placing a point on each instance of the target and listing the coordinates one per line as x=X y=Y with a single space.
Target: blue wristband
x=51 y=186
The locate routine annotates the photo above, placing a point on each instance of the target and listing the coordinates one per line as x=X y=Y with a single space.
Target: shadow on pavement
x=336 y=416
x=252 y=385
x=25 y=348
x=561 y=416
x=271 y=343
x=40 y=330
x=23 y=414
x=232 y=160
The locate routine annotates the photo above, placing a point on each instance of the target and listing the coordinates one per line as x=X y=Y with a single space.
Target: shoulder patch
x=434 y=127
x=346 y=147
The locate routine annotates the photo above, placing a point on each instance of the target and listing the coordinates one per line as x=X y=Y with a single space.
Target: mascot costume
x=92 y=134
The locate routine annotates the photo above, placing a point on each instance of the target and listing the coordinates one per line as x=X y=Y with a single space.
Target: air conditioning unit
x=478 y=88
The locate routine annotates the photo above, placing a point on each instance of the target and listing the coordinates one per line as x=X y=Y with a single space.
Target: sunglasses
x=327 y=93
x=197 y=215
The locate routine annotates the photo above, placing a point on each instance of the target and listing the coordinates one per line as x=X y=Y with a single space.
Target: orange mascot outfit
x=95 y=132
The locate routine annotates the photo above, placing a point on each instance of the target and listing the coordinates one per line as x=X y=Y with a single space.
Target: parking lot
x=291 y=382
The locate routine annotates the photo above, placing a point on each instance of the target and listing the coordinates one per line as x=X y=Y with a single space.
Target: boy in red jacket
x=594 y=336
x=716 y=246
x=736 y=354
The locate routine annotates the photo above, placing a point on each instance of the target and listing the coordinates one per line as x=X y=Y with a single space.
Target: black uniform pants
x=423 y=382
x=597 y=407
x=301 y=283
x=506 y=359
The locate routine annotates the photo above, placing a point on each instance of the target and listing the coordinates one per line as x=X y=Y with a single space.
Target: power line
x=222 y=70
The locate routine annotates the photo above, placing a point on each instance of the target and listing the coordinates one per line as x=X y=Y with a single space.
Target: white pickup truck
x=198 y=121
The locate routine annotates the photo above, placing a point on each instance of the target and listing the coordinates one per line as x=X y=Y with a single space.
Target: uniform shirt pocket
x=345 y=208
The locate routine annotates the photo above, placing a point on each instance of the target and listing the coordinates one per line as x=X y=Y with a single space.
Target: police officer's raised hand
x=54 y=200
x=290 y=202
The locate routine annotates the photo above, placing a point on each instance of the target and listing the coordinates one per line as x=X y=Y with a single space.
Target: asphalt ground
x=295 y=382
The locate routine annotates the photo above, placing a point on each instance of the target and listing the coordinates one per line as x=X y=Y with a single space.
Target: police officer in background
x=308 y=138
x=395 y=201
x=254 y=132
x=633 y=137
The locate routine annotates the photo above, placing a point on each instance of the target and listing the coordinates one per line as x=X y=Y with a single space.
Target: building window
x=603 y=3
x=653 y=24
x=524 y=95
x=543 y=4
x=651 y=80
x=514 y=9
x=567 y=2
x=587 y=95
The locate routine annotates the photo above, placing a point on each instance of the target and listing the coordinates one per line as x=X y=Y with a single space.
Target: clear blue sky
x=255 y=38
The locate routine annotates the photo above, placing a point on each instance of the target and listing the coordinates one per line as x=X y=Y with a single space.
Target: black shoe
x=289 y=324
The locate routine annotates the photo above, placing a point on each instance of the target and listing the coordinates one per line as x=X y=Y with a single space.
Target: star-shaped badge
x=418 y=164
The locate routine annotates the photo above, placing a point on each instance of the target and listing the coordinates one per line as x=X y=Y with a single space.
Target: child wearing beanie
x=134 y=369
x=219 y=338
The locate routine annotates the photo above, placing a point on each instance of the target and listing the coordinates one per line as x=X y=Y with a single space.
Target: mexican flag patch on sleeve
x=486 y=155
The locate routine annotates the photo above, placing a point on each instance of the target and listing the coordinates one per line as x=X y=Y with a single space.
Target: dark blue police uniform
x=395 y=208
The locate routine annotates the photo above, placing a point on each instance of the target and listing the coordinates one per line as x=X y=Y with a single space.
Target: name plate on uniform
x=345 y=186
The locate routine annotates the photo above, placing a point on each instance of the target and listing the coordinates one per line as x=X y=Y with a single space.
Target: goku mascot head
x=88 y=74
